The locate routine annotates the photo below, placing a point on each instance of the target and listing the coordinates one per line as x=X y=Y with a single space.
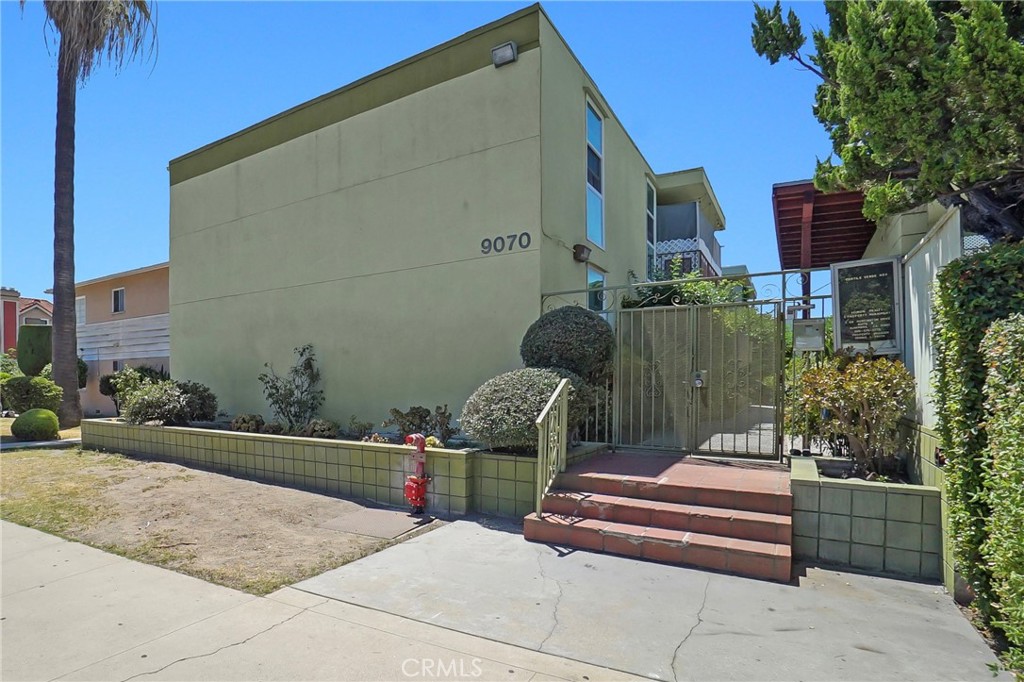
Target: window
x=117 y=296
x=118 y=365
x=652 y=229
x=80 y=310
x=595 y=177
x=595 y=283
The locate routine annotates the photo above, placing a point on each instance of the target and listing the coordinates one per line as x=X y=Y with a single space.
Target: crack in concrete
x=558 y=603
x=217 y=650
x=700 y=612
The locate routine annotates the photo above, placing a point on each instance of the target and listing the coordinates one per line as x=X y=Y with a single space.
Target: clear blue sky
x=681 y=76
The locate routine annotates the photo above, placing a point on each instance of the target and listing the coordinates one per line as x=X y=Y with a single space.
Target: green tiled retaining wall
x=461 y=481
x=925 y=470
x=880 y=527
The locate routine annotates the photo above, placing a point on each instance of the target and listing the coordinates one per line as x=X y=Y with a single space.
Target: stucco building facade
x=407 y=224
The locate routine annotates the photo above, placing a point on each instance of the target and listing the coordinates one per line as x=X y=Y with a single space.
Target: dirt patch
x=246 y=535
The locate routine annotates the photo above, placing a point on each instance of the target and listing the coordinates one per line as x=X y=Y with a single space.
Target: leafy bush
x=25 y=393
x=357 y=429
x=273 y=428
x=36 y=424
x=1003 y=350
x=376 y=438
x=200 y=402
x=34 y=348
x=162 y=402
x=862 y=400
x=295 y=399
x=686 y=288
x=9 y=363
x=420 y=419
x=83 y=372
x=247 y=423
x=319 y=428
x=503 y=412
x=109 y=389
x=4 y=376
x=971 y=293
x=153 y=374
x=572 y=338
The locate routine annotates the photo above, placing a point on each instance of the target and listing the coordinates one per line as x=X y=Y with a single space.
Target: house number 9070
x=509 y=242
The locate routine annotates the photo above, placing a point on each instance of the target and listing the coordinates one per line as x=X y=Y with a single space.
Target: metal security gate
x=703 y=379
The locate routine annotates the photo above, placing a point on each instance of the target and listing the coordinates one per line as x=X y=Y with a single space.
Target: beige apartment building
x=122 y=321
x=408 y=224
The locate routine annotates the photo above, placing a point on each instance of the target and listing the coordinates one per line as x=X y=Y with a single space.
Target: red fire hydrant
x=416 y=485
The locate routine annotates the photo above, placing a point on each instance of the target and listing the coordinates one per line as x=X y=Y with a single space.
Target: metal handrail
x=552 y=439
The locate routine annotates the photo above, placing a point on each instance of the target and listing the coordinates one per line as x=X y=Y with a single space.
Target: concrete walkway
x=71 y=612
x=39 y=444
x=665 y=622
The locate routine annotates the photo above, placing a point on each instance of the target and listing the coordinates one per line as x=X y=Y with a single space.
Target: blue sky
x=681 y=76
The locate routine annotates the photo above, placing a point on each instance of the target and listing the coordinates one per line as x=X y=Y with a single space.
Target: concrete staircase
x=694 y=515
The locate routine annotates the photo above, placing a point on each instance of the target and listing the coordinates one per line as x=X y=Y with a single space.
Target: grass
x=6 y=435
x=51 y=491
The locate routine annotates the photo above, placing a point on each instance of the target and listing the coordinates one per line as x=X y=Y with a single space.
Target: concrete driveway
x=664 y=622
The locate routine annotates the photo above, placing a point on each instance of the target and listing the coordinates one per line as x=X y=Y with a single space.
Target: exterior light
x=580 y=253
x=503 y=54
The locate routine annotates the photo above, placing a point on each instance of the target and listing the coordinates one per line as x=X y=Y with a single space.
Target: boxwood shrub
x=161 y=402
x=572 y=338
x=502 y=413
x=971 y=293
x=36 y=425
x=1003 y=349
x=24 y=393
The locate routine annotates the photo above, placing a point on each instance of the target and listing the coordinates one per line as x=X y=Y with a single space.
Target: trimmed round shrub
x=162 y=402
x=24 y=393
x=36 y=425
x=572 y=338
x=247 y=423
x=200 y=402
x=503 y=412
x=319 y=428
x=83 y=372
x=34 y=348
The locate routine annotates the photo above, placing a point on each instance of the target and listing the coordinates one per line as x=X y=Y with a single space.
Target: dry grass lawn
x=243 y=534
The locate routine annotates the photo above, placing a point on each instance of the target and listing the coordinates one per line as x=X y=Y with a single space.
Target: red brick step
x=764 y=560
x=732 y=523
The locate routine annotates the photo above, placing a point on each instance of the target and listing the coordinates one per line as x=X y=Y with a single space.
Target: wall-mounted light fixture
x=503 y=54
x=580 y=253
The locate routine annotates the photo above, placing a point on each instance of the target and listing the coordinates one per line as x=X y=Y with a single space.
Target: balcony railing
x=696 y=254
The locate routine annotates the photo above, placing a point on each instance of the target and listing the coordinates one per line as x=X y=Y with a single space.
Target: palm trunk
x=65 y=337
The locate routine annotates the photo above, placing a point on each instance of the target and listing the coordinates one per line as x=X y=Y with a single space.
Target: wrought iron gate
x=704 y=379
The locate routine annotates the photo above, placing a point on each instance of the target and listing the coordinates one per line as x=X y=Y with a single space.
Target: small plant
x=358 y=430
x=162 y=402
x=442 y=423
x=25 y=393
x=295 y=399
x=572 y=338
x=417 y=420
x=273 y=428
x=247 y=423
x=36 y=424
x=125 y=382
x=376 y=438
x=434 y=442
x=502 y=413
x=319 y=428
x=9 y=363
x=200 y=402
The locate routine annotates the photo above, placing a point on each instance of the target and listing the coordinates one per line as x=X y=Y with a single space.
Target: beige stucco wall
x=363 y=238
x=145 y=294
x=565 y=87
x=896 y=235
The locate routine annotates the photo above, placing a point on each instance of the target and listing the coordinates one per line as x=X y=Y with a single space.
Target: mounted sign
x=868 y=311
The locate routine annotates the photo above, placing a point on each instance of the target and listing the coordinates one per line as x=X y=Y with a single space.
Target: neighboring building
x=407 y=224
x=18 y=311
x=122 y=321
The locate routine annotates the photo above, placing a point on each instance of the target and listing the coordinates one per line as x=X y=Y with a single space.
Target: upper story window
x=80 y=310
x=652 y=228
x=595 y=176
x=117 y=300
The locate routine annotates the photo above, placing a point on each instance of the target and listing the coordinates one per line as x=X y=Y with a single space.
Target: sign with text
x=867 y=299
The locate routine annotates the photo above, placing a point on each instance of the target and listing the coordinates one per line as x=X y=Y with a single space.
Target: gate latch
x=699 y=377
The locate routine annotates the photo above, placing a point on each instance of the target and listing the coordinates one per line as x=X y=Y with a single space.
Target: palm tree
x=89 y=31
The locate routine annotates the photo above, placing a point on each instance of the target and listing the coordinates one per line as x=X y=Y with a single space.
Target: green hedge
x=22 y=394
x=34 y=348
x=1003 y=349
x=972 y=292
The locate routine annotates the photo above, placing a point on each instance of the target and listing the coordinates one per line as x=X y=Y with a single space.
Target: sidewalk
x=71 y=612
